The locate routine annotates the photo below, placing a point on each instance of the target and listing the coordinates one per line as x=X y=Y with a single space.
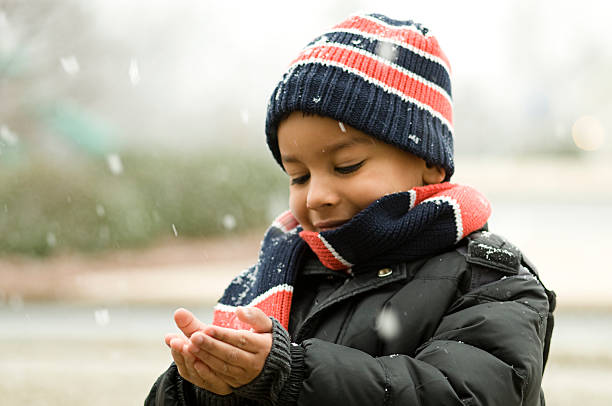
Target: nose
x=322 y=192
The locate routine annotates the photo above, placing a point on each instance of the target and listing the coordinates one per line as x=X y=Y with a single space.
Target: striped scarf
x=396 y=228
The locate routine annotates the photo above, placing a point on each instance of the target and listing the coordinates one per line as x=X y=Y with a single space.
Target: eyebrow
x=334 y=147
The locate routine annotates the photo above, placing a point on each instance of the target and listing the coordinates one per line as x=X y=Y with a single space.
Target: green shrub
x=81 y=205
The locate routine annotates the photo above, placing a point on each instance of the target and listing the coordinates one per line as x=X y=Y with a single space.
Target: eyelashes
x=343 y=170
x=349 y=169
x=300 y=180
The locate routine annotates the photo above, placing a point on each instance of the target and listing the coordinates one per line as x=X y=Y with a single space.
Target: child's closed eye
x=300 y=180
x=349 y=169
x=343 y=170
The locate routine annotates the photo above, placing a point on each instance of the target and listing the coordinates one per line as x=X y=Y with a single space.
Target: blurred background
x=134 y=176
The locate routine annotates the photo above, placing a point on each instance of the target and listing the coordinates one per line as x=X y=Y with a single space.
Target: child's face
x=336 y=171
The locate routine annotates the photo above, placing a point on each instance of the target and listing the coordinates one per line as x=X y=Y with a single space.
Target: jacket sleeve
x=167 y=389
x=486 y=350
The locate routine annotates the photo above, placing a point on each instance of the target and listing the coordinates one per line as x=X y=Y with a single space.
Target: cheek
x=297 y=205
x=398 y=178
x=362 y=192
x=369 y=189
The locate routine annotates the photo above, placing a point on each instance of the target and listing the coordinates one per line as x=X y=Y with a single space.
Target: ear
x=433 y=174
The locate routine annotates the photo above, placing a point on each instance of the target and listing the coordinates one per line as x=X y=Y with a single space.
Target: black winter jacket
x=471 y=326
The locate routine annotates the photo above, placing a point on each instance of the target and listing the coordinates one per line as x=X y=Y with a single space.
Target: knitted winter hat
x=385 y=77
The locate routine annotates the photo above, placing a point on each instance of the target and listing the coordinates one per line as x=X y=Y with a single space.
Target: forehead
x=299 y=131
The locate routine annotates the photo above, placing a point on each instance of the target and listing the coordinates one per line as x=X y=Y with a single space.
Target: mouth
x=328 y=225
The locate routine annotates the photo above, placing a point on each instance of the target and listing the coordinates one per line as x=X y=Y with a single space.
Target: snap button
x=384 y=272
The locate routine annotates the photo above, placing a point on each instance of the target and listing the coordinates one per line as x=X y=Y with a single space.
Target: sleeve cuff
x=268 y=385
x=293 y=385
x=204 y=397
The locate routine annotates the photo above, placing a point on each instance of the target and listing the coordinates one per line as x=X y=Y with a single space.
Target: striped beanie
x=385 y=77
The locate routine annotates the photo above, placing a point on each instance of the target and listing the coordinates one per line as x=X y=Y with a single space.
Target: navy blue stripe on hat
x=400 y=23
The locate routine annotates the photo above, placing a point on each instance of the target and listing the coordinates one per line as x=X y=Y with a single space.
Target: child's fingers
x=242 y=339
x=234 y=375
x=214 y=379
x=195 y=377
x=180 y=362
x=177 y=344
x=187 y=322
x=254 y=316
x=218 y=365
x=199 y=375
x=223 y=351
x=229 y=380
x=207 y=377
x=169 y=337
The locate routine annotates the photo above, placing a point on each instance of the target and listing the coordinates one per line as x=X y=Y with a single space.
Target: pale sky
x=195 y=59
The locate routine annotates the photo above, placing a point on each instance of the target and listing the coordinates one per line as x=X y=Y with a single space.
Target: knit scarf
x=396 y=228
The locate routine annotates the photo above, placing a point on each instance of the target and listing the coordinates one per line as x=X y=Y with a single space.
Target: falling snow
x=70 y=64
x=342 y=128
x=316 y=99
x=229 y=222
x=114 y=164
x=244 y=116
x=414 y=138
x=100 y=211
x=174 y=230
x=387 y=50
x=387 y=324
x=7 y=136
x=102 y=317
x=134 y=72
x=51 y=239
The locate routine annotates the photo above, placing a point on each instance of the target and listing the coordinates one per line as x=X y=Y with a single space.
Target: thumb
x=254 y=316
x=187 y=322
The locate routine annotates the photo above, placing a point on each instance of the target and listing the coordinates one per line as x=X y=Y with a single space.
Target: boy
x=381 y=284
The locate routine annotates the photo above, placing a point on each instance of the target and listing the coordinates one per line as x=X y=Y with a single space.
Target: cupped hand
x=188 y=366
x=235 y=356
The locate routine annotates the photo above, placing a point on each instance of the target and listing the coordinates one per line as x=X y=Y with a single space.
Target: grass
x=79 y=204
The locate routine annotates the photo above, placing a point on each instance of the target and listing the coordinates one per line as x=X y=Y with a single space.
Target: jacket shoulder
x=490 y=257
x=492 y=251
x=482 y=255
x=486 y=250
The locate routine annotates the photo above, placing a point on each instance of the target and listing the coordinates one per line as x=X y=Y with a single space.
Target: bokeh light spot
x=588 y=133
